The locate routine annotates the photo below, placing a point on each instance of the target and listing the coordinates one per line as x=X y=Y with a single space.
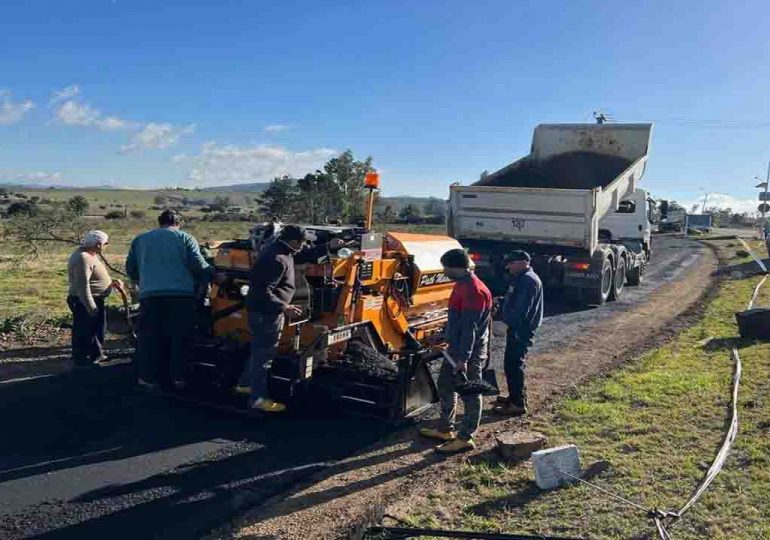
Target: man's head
x=456 y=263
x=94 y=241
x=295 y=236
x=516 y=262
x=169 y=218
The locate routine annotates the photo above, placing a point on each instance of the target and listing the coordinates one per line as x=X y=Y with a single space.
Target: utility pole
x=765 y=227
x=705 y=198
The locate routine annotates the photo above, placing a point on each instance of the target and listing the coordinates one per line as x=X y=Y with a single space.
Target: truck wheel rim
x=606 y=280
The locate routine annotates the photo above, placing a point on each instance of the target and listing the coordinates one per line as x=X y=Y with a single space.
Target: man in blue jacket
x=166 y=263
x=523 y=314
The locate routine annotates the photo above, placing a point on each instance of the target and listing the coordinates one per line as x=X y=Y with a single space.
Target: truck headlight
x=244 y=290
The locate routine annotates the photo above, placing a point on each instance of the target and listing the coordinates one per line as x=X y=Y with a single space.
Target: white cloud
x=64 y=94
x=217 y=165
x=30 y=177
x=157 y=136
x=12 y=111
x=74 y=113
x=276 y=128
x=723 y=201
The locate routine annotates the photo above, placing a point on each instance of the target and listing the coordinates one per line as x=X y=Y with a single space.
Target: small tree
x=278 y=199
x=410 y=213
x=389 y=215
x=78 y=205
x=114 y=214
x=159 y=200
x=137 y=214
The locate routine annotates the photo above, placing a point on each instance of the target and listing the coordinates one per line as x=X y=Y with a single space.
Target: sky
x=165 y=93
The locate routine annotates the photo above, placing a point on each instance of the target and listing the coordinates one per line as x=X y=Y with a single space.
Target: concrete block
x=549 y=463
x=520 y=445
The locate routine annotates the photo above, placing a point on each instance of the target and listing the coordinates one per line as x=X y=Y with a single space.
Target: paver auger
x=372 y=310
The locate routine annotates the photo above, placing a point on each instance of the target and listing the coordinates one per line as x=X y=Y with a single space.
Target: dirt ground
x=346 y=497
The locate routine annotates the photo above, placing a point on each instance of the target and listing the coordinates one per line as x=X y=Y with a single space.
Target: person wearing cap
x=166 y=263
x=467 y=336
x=89 y=286
x=268 y=302
x=523 y=313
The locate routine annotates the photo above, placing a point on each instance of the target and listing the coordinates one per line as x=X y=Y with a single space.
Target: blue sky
x=136 y=93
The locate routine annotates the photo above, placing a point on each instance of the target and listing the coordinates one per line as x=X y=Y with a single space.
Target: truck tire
x=601 y=293
x=636 y=274
x=619 y=279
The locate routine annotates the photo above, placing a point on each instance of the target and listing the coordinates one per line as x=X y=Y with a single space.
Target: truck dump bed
x=574 y=175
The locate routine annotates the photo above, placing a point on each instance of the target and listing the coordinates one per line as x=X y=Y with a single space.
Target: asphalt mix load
x=366 y=360
x=571 y=170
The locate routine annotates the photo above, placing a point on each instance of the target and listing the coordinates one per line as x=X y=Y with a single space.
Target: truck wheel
x=636 y=274
x=620 y=279
x=601 y=293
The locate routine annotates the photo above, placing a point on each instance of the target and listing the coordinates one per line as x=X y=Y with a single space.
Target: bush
x=21 y=208
x=137 y=214
x=78 y=205
x=115 y=214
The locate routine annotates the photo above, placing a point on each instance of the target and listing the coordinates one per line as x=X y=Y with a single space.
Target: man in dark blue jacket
x=522 y=313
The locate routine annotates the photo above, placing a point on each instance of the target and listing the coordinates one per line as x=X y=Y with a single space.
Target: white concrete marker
x=549 y=462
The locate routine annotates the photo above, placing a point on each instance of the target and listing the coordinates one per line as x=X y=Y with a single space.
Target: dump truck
x=572 y=204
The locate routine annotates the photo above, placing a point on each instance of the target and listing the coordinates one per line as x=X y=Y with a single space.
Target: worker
x=89 y=286
x=467 y=336
x=166 y=263
x=268 y=303
x=523 y=313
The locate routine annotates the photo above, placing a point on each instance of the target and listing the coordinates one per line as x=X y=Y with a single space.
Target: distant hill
x=257 y=187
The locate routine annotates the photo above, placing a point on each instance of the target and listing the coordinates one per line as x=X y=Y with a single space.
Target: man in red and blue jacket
x=467 y=334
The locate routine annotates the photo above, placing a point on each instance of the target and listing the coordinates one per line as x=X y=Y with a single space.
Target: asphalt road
x=84 y=455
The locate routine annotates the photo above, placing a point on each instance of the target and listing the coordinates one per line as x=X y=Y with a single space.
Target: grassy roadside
x=658 y=422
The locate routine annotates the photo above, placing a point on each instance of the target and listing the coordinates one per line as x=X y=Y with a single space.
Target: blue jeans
x=265 y=333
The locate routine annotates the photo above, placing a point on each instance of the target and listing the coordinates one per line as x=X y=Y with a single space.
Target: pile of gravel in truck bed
x=572 y=170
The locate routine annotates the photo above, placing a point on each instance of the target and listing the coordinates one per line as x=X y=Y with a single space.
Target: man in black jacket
x=268 y=302
x=523 y=314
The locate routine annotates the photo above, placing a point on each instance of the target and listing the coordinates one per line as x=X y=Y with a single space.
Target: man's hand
x=117 y=284
x=462 y=367
x=292 y=311
x=336 y=243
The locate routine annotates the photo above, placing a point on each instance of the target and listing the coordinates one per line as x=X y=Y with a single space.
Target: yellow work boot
x=243 y=390
x=436 y=434
x=456 y=445
x=268 y=405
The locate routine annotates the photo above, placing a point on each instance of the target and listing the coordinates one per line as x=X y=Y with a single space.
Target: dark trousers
x=166 y=327
x=87 y=331
x=265 y=334
x=516 y=350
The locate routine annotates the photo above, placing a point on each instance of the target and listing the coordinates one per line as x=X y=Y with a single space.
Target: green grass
x=659 y=422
